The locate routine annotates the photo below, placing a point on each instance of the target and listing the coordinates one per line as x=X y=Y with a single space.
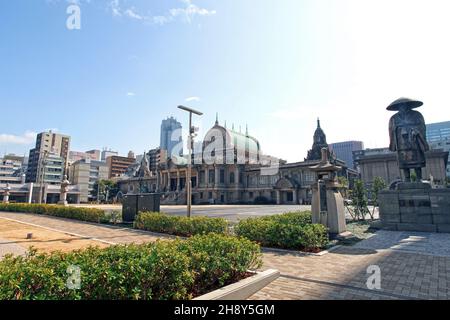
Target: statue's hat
x=411 y=104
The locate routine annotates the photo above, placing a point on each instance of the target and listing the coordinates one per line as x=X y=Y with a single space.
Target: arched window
x=232 y=177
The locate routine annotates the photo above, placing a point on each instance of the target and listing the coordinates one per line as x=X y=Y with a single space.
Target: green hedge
x=179 y=226
x=292 y=230
x=163 y=270
x=84 y=214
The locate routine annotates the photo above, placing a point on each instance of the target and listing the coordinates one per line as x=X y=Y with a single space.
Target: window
x=250 y=194
x=202 y=176
x=211 y=176
x=232 y=177
x=222 y=176
x=210 y=195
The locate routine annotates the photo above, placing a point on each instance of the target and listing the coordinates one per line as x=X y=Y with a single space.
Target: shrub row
x=179 y=226
x=288 y=231
x=180 y=269
x=84 y=214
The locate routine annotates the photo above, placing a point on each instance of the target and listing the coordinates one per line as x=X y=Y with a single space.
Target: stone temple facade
x=229 y=168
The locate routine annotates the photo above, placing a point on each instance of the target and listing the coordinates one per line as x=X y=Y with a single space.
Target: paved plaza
x=413 y=265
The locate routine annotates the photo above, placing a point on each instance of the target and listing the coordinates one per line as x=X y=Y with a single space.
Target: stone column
x=178 y=180
x=278 y=197
x=217 y=176
x=295 y=196
x=6 y=193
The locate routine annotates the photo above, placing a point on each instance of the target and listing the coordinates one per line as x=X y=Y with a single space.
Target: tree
x=378 y=185
x=359 y=200
x=105 y=190
x=343 y=187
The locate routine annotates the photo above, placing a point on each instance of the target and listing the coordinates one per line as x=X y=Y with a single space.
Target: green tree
x=378 y=185
x=343 y=186
x=105 y=190
x=359 y=200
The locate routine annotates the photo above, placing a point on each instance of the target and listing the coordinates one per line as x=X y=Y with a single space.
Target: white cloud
x=190 y=99
x=131 y=13
x=131 y=94
x=116 y=11
x=27 y=138
x=187 y=13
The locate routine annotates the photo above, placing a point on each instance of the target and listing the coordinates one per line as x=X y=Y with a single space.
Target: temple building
x=229 y=168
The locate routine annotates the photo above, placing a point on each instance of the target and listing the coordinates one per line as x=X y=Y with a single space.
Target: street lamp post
x=189 y=171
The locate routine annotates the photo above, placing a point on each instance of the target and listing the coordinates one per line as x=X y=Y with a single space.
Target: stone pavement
x=413 y=265
x=10 y=248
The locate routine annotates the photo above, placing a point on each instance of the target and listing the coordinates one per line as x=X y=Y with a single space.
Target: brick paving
x=413 y=266
x=103 y=233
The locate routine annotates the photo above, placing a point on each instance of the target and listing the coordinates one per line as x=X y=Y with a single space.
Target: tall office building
x=154 y=159
x=438 y=136
x=344 y=151
x=50 y=148
x=171 y=136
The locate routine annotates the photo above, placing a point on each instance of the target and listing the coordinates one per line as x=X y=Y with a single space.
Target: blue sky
x=274 y=65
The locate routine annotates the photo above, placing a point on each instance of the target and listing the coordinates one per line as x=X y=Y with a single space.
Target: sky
x=274 y=65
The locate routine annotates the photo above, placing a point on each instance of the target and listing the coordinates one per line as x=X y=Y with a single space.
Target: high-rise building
x=344 y=151
x=154 y=159
x=438 y=136
x=108 y=153
x=437 y=132
x=171 y=136
x=85 y=173
x=117 y=165
x=48 y=145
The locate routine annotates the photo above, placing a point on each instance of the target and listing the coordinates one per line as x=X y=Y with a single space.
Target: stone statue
x=407 y=133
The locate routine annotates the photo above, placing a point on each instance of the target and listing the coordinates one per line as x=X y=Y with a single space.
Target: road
x=232 y=213
x=229 y=212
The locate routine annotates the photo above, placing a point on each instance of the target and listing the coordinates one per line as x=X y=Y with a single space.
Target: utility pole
x=189 y=170
x=41 y=173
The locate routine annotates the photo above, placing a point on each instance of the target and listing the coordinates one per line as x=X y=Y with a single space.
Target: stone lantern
x=327 y=202
x=64 y=190
x=6 y=193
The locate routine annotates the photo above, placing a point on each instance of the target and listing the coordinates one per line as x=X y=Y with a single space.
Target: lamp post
x=189 y=171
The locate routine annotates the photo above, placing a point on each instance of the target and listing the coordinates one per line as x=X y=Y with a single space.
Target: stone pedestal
x=132 y=204
x=415 y=207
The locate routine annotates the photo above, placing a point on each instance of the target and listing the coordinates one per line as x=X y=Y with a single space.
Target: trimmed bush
x=83 y=214
x=179 y=226
x=162 y=270
x=293 y=230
